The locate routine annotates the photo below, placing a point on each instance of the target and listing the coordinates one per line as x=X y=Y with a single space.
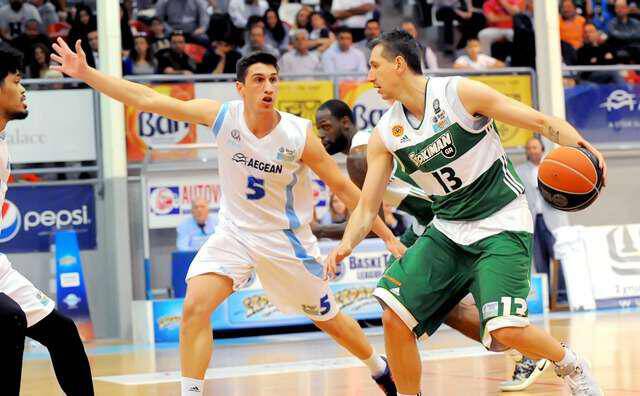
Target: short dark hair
x=399 y=43
x=343 y=29
x=177 y=33
x=243 y=65
x=372 y=20
x=10 y=61
x=338 y=109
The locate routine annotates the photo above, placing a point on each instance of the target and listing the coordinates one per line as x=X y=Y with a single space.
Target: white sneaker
x=579 y=378
x=525 y=373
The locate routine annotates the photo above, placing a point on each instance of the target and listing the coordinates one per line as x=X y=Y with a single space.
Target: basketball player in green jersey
x=442 y=133
x=336 y=127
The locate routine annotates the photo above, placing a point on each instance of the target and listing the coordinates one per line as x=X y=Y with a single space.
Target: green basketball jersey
x=455 y=158
x=402 y=192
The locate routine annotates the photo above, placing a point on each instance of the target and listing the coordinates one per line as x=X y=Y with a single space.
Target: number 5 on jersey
x=256 y=188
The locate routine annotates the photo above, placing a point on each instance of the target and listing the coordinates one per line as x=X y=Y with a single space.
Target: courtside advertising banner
x=145 y=129
x=60 y=127
x=365 y=102
x=601 y=265
x=302 y=98
x=608 y=113
x=28 y=220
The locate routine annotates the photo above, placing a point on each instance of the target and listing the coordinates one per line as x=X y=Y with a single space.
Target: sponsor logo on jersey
x=405 y=139
x=285 y=154
x=235 y=134
x=164 y=200
x=10 y=221
x=440 y=119
x=397 y=130
x=442 y=145
x=266 y=167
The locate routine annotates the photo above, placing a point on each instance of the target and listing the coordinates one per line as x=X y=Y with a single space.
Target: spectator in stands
x=624 y=32
x=353 y=14
x=47 y=12
x=596 y=51
x=276 y=33
x=603 y=12
x=303 y=18
x=257 y=42
x=189 y=16
x=83 y=23
x=320 y=37
x=39 y=67
x=571 y=24
x=475 y=60
x=337 y=214
x=371 y=31
x=126 y=36
x=300 y=60
x=428 y=58
x=174 y=59
x=193 y=232
x=158 y=38
x=499 y=14
x=26 y=42
x=524 y=38
x=140 y=59
x=13 y=18
x=546 y=219
x=343 y=57
x=241 y=10
x=393 y=219
x=469 y=22
x=221 y=57
x=93 y=54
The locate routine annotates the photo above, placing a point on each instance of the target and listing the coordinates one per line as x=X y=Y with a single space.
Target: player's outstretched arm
x=479 y=98
x=74 y=64
x=321 y=163
x=380 y=166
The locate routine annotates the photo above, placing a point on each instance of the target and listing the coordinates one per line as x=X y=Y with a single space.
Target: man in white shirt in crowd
x=476 y=60
x=241 y=10
x=300 y=60
x=193 y=232
x=13 y=18
x=353 y=14
x=546 y=218
x=428 y=58
x=343 y=57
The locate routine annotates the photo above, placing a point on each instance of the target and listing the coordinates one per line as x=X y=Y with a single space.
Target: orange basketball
x=570 y=178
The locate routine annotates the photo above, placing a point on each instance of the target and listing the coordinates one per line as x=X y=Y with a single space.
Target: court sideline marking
x=285 y=368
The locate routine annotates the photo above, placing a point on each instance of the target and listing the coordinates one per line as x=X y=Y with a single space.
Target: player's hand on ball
x=333 y=259
x=70 y=63
x=396 y=247
x=603 y=165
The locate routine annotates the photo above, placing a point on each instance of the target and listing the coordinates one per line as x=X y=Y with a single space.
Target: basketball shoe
x=525 y=373
x=579 y=378
x=385 y=381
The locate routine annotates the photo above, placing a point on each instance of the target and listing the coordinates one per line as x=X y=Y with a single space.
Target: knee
x=194 y=313
x=11 y=316
x=392 y=323
x=507 y=336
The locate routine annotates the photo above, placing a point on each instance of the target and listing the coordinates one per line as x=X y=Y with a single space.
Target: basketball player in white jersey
x=442 y=133
x=264 y=158
x=25 y=310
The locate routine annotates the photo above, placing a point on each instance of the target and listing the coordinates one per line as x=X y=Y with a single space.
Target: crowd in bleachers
x=209 y=36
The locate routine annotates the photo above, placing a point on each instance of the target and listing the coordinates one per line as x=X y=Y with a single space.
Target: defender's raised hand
x=73 y=64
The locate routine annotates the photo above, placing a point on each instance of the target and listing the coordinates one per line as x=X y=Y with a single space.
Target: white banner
x=601 y=265
x=60 y=127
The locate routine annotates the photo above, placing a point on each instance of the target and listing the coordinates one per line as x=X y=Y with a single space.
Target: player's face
x=260 y=88
x=383 y=74
x=331 y=132
x=12 y=98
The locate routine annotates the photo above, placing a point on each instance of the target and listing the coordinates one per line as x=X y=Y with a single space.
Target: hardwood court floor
x=309 y=364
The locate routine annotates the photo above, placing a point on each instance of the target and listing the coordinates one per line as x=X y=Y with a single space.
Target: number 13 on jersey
x=255 y=187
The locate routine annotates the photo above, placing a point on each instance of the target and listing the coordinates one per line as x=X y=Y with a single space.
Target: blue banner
x=607 y=113
x=71 y=294
x=30 y=214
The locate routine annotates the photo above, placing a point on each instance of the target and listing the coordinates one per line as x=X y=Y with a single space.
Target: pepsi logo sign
x=11 y=220
x=164 y=200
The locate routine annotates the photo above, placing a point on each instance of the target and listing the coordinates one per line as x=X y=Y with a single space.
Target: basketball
x=570 y=178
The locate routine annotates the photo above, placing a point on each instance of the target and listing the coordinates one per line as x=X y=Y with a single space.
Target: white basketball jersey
x=264 y=184
x=5 y=170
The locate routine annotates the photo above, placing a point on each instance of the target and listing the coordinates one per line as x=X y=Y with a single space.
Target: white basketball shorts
x=35 y=304
x=287 y=262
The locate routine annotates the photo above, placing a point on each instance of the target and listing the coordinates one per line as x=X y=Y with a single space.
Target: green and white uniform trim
x=458 y=160
x=402 y=192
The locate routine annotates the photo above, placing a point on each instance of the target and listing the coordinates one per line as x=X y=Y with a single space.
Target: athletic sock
x=192 y=386
x=569 y=358
x=376 y=364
